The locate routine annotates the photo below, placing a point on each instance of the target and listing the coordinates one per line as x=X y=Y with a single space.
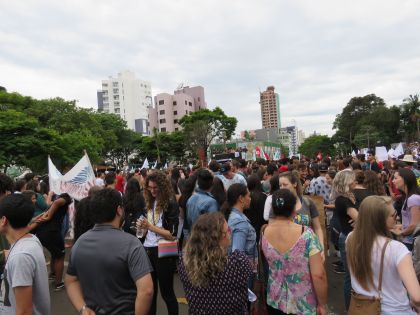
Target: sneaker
x=59 y=287
x=339 y=270
x=337 y=264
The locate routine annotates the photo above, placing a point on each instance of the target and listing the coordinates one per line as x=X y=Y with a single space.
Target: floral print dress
x=290 y=286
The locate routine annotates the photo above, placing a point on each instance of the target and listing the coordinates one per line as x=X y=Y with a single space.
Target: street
x=60 y=304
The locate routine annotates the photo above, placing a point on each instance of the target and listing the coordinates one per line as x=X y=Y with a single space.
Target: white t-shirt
x=152 y=239
x=268 y=207
x=394 y=294
x=26 y=267
x=237 y=179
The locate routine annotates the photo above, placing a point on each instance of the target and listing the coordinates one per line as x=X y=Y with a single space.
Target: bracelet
x=84 y=307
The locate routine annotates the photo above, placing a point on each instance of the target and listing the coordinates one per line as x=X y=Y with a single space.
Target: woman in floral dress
x=297 y=282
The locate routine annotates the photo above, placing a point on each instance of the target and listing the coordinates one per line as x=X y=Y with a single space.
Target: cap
x=224 y=168
x=283 y=168
x=323 y=167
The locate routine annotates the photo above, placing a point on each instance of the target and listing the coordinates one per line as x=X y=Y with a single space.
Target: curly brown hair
x=165 y=193
x=373 y=184
x=203 y=257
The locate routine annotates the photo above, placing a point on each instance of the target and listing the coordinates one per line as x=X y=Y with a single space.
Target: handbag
x=259 y=307
x=167 y=248
x=368 y=305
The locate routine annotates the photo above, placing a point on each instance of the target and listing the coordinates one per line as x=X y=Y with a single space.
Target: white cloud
x=318 y=54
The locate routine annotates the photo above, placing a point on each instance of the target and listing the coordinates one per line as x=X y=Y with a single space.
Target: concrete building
x=127 y=97
x=301 y=137
x=270 y=108
x=289 y=138
x=267 y=134
x=169 y=109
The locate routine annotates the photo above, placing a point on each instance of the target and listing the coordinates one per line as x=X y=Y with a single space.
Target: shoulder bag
x=368 y=305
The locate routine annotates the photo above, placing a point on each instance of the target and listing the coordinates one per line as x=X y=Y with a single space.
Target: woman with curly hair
x=373 y=184
x=161 y=222
x=214 y=282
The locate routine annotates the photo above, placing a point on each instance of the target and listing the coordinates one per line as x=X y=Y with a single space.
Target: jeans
x=347 y=278
x=163 y=273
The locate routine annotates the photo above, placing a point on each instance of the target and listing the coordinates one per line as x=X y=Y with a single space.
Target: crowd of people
x=216 y=227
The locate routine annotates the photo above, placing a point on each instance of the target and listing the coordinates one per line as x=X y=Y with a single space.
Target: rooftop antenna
x=180 y=86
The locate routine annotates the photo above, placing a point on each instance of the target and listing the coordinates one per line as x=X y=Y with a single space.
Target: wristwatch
x=84 y=307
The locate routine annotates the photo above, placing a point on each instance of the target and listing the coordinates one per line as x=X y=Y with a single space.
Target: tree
x=202 y=127
x=315 y=144
x=410 y=118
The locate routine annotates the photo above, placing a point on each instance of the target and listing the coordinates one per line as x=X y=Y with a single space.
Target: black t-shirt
x=360 y=194
x=57 y=220
x=341 y=206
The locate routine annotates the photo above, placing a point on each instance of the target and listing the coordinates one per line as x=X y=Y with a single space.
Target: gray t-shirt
x=26 y=266
x=108 y=262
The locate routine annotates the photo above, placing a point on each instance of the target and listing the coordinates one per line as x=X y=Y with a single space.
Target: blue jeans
x=347 y=278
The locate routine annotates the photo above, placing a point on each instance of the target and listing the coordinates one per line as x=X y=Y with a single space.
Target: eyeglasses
x=153 y=187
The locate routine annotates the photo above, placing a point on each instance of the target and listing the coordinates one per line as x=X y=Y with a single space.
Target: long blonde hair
x=371 y=223
x=203 y=257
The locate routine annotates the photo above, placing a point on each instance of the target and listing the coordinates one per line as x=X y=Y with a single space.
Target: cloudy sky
x=318 y=54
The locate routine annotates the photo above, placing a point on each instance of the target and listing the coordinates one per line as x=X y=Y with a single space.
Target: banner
x=381 y=154
x=145 y=164
x=76 y=182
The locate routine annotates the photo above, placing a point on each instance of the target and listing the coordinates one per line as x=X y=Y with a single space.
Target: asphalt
x=60 y=304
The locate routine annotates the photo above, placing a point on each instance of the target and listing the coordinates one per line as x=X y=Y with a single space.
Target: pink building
x=169 y=109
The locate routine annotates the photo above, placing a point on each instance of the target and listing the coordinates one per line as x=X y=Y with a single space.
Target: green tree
x=202 y=127
x=315 y=144
x=410 y=118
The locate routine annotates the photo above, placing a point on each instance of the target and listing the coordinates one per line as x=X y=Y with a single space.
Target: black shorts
x=53 y=242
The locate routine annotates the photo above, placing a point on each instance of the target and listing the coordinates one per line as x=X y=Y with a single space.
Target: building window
x=175 y=121
x=186 y=112
x=162 y=129
x=117 y=104
x=116 y=110
x=189 y=103
x=174 y=103
x=162 y=121
x=161 y=112
x=116 y=98
x=175 y=112
x=161 y=102
x=176 y=129
x=104 y=85
x=186 y=103
x=115 y=84
x=199 y=107
x=198 y=99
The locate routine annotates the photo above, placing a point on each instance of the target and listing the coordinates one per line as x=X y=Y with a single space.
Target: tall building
x=169 y=109
x=270 y=108
x=127 y=97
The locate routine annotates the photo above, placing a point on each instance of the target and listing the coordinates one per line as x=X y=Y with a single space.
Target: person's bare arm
x=415 y=220
x=319 y=280
x=23 y=300
x=144 y=295
x=316 y=225
x=408 y=276
x=74 y=292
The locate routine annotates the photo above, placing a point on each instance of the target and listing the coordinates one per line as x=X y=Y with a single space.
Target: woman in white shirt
x=364 y=246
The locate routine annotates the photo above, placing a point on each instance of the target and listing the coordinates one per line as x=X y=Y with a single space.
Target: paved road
x=61 y=305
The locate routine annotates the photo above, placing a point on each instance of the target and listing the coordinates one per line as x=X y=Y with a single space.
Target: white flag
x=154 y=166
x=145 y=164
x=381 y=154
x=166 y=166
x=55 y=177
x=79 y=179
x=353 y=154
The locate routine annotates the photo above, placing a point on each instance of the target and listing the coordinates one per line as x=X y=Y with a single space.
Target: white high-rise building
x=127 y=97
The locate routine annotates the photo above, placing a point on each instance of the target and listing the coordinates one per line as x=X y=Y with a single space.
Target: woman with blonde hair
x=371 y=236
x=346 y=212
x=161 y=222
x=214 y=282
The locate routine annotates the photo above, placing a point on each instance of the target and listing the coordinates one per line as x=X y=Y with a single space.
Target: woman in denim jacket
x=243 y=234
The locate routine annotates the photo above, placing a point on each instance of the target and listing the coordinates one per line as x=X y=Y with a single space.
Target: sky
x=317 y=54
